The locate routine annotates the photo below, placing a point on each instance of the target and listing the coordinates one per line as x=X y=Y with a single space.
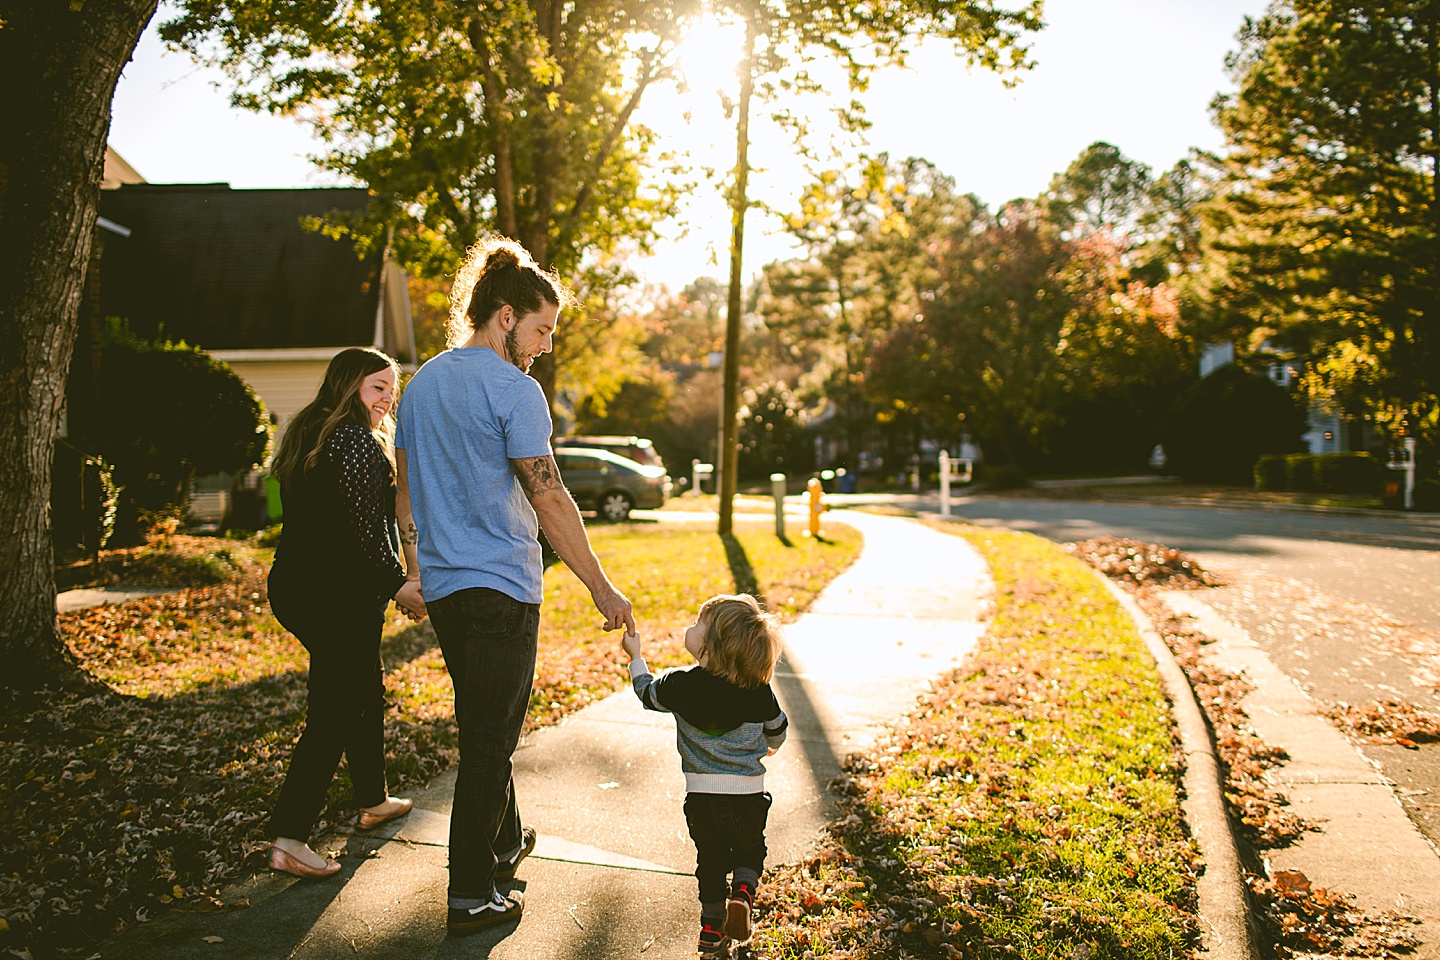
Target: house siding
x=285 y=386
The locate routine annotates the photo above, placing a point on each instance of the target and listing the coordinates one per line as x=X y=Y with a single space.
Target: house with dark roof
x=236 y=273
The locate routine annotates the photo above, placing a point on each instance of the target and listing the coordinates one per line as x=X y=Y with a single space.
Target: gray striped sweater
x=722 y=730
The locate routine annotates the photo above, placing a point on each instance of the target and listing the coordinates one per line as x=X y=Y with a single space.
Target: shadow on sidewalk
x=278 y=922
x=807 y=726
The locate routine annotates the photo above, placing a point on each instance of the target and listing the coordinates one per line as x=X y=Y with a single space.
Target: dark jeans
x=345 y=709
x=489 y=642
x=729 y=833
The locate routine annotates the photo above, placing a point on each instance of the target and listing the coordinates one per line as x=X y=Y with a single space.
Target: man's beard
x=512 y=350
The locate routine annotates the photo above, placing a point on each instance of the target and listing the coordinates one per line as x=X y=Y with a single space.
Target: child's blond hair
x=742 y=641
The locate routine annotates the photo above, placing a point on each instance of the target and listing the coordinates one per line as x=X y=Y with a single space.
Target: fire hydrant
x=817 y=506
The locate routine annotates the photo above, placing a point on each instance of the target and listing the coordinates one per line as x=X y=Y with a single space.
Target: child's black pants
x=729 y=833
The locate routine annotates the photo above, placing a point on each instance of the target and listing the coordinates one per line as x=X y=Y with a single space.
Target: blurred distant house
x=236 y=273
x=1326 y=430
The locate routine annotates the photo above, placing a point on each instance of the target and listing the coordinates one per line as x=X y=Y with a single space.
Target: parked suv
x=636 y=448
x=610 y=484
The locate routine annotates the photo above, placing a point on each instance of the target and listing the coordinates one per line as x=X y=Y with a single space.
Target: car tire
x=615 y=506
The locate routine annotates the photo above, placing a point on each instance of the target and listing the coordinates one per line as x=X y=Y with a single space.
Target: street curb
x=1226 y=931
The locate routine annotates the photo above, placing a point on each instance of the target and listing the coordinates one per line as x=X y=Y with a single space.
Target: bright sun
x=710 y=56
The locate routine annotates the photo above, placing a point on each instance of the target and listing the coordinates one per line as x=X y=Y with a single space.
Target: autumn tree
x=1327 y=228
x=865 y=233
x=511 y=116
x=1039 y=341
x=784 y=41
x=59 y=63
x=1101 y=190
x=1123 y=357
x=982 y=357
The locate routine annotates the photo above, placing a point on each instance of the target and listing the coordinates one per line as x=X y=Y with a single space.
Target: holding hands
x=630 y=643
x=410 y=601
x=614 y=606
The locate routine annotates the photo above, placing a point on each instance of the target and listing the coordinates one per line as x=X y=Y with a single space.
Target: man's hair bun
x=502 y=257
x=499 y=272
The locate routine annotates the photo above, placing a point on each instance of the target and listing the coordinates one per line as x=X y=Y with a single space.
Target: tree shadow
x=740 y=569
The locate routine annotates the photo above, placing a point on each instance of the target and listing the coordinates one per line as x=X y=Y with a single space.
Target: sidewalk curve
x=611 y=875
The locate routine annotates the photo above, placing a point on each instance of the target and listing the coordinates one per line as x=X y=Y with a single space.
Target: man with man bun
x=474 y=460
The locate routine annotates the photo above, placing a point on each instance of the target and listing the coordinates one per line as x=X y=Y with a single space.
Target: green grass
x=1030 y=808
x=117 y=806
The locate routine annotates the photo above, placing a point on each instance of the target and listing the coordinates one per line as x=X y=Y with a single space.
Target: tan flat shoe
x=369 y=821
x=283 y=862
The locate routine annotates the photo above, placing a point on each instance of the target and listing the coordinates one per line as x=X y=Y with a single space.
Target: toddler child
x=727 y=720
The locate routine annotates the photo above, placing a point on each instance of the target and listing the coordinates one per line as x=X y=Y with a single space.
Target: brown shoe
x=369 y=821
x=282 y=862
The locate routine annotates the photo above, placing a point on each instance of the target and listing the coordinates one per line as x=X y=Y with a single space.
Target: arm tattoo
x=537 y=475
x=409 y=536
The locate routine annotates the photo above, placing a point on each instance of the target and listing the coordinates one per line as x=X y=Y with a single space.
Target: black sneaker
x=737 y=913
x=498 y=910
x=505 y=870
x=713 y=943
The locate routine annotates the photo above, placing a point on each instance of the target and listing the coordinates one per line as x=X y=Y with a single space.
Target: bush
x=1006 y=477
x=1220 y=426
x=1427 y=496
x=1300 y=472
x=1346 y=473
x=1270 y=472
x=177 y=413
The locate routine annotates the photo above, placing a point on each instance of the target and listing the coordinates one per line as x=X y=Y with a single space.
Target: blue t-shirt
x=464 y=416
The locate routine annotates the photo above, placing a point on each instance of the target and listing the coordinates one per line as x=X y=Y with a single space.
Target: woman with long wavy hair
x=337 y=567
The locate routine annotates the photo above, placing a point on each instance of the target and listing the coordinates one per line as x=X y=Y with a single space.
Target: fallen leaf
x=213 y=939
x=1291 y=881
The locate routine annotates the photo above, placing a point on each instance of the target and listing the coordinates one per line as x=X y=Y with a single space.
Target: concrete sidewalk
x=1365 y=845
x=611 y=875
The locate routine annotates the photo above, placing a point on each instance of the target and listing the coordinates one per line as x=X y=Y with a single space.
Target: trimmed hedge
x=1270 y=472
x=1300 y=472
x=1319 y=473
x=1347 y=473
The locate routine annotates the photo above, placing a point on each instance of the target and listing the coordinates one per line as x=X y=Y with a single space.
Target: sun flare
x=710 y=57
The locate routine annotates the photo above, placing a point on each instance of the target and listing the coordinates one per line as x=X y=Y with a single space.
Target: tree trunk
x=729 y=459
x=61 y=64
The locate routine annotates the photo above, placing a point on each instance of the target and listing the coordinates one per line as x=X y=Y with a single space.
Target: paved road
x=1347 y=605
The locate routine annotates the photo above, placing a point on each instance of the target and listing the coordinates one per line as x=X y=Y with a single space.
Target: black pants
x=345 y=709
x=729 y=834
x=489 y=643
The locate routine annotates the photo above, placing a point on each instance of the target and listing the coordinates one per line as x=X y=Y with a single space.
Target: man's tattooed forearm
x=537 y=475
x=409 y=536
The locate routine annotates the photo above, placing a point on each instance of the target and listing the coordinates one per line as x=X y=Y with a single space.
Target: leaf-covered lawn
x=114 y=808
x=1029 y=809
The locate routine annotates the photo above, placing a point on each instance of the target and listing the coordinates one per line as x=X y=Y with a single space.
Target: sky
x=1139 y=74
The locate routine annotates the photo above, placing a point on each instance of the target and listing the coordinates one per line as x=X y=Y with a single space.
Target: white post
x=944 y=483
x=699 y=471
x=1409 y=473
x=777 y=490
